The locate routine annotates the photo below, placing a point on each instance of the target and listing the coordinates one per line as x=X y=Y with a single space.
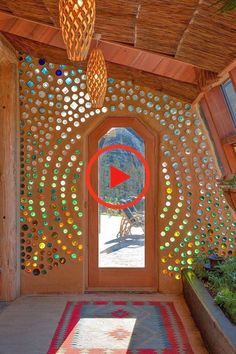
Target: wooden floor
x=28 y=324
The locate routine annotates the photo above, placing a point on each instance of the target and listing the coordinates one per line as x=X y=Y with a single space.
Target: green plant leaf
x=229 y=5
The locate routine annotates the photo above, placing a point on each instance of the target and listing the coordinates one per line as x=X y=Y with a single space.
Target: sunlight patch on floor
x=100 y=333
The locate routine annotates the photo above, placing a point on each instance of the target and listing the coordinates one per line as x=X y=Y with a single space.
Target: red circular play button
x=117 y=176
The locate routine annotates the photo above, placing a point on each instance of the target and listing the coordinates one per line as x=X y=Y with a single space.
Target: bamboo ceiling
x=190 y=30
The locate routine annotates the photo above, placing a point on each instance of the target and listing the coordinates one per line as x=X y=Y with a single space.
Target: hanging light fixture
x=77 y=18
x=96 y=78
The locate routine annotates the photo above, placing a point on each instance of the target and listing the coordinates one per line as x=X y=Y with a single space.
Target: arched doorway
x=122 y=245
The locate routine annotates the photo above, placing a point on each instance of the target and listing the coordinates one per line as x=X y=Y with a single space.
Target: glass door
x=121 y=241
x=121 y=232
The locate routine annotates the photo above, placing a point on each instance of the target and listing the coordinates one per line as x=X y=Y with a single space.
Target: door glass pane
x=121 y=235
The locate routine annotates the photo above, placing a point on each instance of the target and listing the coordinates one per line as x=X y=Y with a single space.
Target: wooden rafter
x=113 y=52
x=182 y=90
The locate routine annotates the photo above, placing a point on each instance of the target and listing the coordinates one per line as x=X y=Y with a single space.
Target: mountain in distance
x=123 y=160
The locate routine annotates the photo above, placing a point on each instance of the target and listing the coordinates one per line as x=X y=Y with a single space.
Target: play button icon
x=117 y=177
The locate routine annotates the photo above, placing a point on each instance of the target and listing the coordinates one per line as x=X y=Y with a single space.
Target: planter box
x=218 y=333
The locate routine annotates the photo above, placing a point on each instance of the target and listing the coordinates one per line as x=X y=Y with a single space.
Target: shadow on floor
x=3 y=305
x=133 y=241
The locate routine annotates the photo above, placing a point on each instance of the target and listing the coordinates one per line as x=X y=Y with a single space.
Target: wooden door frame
x=155 y=169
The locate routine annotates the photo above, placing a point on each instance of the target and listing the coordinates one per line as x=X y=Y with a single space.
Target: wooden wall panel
x=9 y=175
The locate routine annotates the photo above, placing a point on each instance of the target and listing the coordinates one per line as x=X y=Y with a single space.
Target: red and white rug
x=120 y=327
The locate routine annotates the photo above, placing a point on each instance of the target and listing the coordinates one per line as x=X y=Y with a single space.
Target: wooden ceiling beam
x=186 y=91
x=8 y=51
x=181 y=90
x=113 y=52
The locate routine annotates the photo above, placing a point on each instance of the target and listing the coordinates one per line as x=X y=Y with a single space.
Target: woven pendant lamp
x=97 y=78
x=77 y=18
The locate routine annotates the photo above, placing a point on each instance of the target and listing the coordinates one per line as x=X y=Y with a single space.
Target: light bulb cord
x=97 y=37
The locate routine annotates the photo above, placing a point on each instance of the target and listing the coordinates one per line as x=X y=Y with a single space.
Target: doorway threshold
x=121 y=290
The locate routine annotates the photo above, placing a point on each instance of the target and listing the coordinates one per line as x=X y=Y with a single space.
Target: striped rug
x=120 y=327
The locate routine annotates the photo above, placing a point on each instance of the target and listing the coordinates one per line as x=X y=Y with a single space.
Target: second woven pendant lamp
x=96 y=78
x=77 y=18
